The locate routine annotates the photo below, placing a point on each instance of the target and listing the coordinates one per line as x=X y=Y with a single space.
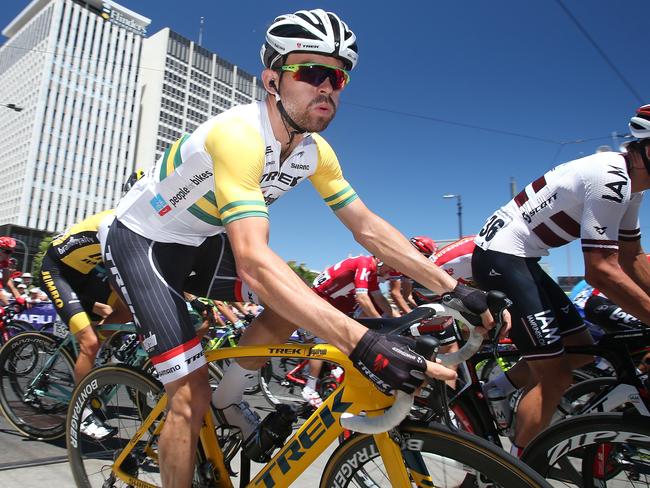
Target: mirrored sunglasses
x=315 y=74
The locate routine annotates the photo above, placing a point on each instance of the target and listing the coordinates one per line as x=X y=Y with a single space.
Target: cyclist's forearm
x=623 y=291
x=366 y=305
x=283 y=291
x=387 y=243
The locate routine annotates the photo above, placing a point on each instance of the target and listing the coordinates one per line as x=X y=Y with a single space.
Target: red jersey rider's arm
x=387 y=243
x=379 y=299
x=368 y=308
x=282 y=290
x=635 y=263
x=602 y=271
x=395 y=288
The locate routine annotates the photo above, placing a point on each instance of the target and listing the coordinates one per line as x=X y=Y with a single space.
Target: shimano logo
x=299 y=166
x=200 y=178
x=167 y=371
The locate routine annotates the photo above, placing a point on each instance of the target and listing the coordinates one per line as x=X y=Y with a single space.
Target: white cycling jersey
x=589 y=198
x=229 y=168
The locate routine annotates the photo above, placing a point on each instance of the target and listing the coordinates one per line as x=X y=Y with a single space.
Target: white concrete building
x=182 y=85
x=72 y=66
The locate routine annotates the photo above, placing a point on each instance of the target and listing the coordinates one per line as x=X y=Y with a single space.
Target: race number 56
x=491 y=227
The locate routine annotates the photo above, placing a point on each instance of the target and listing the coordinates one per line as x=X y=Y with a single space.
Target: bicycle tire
x=451 y=459
x=126 y=410
x=34 y=400
x=566 y=451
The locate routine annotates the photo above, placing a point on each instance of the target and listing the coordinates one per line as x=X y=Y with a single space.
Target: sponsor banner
x=39 y=314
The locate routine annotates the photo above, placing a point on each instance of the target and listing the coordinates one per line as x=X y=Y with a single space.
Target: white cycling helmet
x=314 y=31
x=640 y=124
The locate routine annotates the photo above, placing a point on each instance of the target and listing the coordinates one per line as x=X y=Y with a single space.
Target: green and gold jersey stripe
x=243 y=215
x=205 y=209
x=172 y=158
x=243 y=208
x=342 y=198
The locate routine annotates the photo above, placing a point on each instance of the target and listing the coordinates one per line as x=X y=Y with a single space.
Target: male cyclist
x=399 y=286
x=351 y=286
x=596 y=199
x=74 y=279
x=198 y=221
x=7 y=270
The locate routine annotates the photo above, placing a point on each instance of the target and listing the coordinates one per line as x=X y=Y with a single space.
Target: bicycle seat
x=397 y=325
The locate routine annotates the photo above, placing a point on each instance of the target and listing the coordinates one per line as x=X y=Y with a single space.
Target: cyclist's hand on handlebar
x=391 y=363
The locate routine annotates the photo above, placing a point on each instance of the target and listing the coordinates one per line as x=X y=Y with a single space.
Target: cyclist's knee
x=189 y=396
x=88 y=341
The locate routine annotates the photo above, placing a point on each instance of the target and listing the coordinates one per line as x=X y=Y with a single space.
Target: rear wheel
x=433 y=456
x=122 y=397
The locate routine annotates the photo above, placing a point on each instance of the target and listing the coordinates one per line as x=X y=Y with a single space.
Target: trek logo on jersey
x=541 y=326
x=281 y=177
x=616 y=186
x=159 y=204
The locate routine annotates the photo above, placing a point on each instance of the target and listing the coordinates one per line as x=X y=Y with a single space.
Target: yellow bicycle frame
x=354 y=395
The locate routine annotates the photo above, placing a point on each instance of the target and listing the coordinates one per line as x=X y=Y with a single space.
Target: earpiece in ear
x=277 y=92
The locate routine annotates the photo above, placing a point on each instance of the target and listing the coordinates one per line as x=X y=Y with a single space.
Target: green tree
x=303 y=271
x=38 y=260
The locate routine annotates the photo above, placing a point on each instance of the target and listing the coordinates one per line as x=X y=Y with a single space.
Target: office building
x=72 y=67
x=182 y=85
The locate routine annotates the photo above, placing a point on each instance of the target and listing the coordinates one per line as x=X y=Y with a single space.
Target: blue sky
x=448 y=97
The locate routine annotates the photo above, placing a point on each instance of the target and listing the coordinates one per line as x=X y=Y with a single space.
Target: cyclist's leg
x=149 y=276
x=60 y=285
x=536 y=315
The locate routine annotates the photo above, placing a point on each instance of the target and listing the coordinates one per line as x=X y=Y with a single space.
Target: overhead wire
x=600 y=51
x=124 y=65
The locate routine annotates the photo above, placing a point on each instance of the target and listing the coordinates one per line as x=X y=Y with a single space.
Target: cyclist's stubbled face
x=311 y=107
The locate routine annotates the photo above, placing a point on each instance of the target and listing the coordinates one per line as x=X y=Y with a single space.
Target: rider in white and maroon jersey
x=595 y=199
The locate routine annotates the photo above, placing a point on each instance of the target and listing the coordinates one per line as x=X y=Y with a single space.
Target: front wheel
x=594 y=450
x=433 y=456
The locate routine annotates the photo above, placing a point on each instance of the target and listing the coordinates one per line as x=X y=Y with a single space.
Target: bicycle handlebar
x=400 y=409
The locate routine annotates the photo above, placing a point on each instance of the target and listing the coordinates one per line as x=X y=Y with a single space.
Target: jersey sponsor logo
x=281 y=177
x=159 y=204
x=541 y=326
x=600 y=230
x=364 y=274
x=199 y=178
x=528 y=216
x=616 y=186
x=299 y=166
x=75 y=242
x=51 y=288
x=494 y=273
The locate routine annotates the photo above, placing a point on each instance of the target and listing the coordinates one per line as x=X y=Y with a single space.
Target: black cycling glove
x=199 y=305
x=389 y=362
x=474 y=300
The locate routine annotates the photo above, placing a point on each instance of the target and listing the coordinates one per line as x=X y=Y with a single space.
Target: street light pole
x=459 y=206
x=26 y=254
